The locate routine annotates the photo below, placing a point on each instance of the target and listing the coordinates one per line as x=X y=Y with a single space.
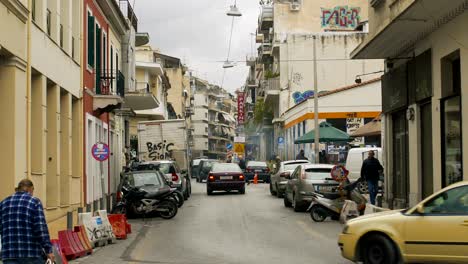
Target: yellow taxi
x=434 y=231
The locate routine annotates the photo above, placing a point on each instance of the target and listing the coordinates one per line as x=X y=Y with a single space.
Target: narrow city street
x=228 y=228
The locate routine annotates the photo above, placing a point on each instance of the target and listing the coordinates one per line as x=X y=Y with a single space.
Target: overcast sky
x=197 y=31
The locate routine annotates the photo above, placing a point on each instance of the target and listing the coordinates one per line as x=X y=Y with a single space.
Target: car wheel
x=297 y=205
x=242 y=191
x=272 y=192
x=287 y=203
x=362 y=187
x=378 y=249
x=318 y=213
x=278 y=192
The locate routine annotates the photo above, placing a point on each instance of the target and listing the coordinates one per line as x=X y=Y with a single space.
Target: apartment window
x=91 y=21
x=33 y=11
x=61 y=35
x=73 y=47
x=98 y=70
x=49 y=22
x=206 y=115
x=206 y=129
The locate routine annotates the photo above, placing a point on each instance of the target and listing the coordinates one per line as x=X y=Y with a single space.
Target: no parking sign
x=100 y=151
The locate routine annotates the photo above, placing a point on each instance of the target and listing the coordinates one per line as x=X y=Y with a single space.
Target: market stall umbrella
x=327 y=133
x=373 y=128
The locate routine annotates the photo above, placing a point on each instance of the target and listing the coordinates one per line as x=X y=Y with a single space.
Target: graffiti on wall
x=341 y=17
x=299 y=97
x=159 y=151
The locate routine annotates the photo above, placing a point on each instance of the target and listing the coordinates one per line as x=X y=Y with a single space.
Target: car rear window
x=166 y=168
x=228 y=167
x=196 y=162
x=256 y=164
x=208 y=164
x=318 y=173
x=293 y=166
x=144 y=179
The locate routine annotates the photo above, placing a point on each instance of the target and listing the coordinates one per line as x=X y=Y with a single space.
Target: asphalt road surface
x=229 y=228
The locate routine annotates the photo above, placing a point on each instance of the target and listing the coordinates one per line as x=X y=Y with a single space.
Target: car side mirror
x=420 y=209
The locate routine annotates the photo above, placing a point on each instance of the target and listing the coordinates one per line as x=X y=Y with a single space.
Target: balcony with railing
x=127 y=11
x=110 y=90
x=265 y=20
x=272 y=88
x=141 y=98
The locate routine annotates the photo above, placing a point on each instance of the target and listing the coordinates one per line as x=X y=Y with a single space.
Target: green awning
x=327 y=133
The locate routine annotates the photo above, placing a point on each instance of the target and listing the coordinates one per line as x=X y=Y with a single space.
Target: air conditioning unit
x=295 y=6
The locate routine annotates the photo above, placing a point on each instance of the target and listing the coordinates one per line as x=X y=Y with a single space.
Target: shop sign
x=240 y=108
x=352 y=124
x=239 y=148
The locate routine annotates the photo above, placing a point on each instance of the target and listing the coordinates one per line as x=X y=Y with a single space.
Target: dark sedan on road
x=225 y=177
x=257 y=167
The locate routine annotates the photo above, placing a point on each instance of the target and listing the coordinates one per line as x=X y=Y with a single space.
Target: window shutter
x=91 y=22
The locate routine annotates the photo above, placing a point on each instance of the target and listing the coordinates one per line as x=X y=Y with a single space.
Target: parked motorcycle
x=141 y=202
x=330 y=204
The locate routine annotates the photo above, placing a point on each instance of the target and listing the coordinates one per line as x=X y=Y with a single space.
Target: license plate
x=225 y=177
x=258 y=170
x=325 y=188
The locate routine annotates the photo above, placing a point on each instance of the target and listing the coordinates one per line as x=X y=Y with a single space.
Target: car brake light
x=175 y=177
x=241 y=177
x=211 y=177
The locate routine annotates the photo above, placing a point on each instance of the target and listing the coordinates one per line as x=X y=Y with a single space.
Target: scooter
x=330 y=204
x=141 y=203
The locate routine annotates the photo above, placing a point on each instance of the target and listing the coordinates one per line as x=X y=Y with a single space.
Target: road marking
x=310 y=231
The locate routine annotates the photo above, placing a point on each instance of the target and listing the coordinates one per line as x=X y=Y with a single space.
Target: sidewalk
x=115 y=253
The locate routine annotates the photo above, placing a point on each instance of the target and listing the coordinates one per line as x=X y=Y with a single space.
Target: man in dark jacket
x=301 y=156
x=370 y=171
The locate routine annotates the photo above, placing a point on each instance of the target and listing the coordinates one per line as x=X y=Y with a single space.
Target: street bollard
x=255 y=178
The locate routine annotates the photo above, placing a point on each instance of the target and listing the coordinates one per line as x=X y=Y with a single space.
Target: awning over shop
x=327 y=133
x=415 y=23
x=373 y=128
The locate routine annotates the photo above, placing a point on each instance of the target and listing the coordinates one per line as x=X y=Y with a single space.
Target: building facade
x=213 y=121
x=292 y=37
x=41 y=104
x=424 y=93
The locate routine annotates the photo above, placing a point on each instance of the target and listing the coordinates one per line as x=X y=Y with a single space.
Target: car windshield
x=292 y=166
x=256 y=164
x=318 y=173
x=228 y=167
x=144 y=179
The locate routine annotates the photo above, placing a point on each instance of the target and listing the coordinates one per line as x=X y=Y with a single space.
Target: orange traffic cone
x=255 y=178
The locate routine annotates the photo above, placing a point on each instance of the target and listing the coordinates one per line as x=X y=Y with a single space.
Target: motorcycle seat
x=331 y=195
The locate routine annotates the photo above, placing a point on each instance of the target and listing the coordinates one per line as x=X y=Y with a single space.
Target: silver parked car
x=300 y=186
x=279 y=179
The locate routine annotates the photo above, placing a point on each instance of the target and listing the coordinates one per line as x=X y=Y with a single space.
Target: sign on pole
x=229 y=146
x=239 y=148
x=100 y=151
x=281 y=142
x=239 y=139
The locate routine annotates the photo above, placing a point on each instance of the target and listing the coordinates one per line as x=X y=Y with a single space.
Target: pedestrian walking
x=242 y=162
x=301 y=155
x=24 y=232
x=370 y=171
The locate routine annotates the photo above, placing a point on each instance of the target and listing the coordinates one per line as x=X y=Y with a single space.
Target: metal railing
x=106 y=80
x=272 y=84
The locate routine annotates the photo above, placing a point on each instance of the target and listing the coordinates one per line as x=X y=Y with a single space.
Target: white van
x=356 y=157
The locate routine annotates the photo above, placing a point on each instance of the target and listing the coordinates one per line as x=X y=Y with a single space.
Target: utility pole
x=316 y=121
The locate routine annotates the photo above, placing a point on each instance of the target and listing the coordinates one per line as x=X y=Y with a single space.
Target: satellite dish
x=234 y=11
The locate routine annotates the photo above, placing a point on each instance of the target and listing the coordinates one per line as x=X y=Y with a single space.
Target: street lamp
x=234 y=11
x=228 y=64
